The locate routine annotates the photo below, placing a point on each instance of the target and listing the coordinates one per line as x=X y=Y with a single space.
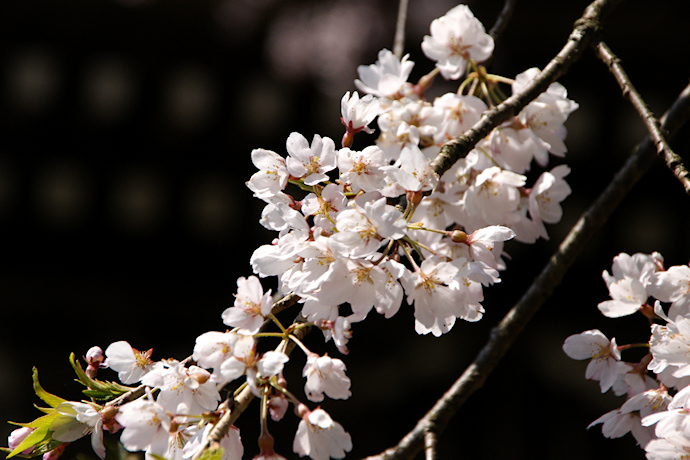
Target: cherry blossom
x=130 y=363
x=362 y=170
x=456 y=38
x=386 y=78
x=605 y=365
x=357 y=114
x=272 y=176
x=319 y=437
x=183 y=390
x=252 y=306
x=310 y=162
x=325 y=375
x=76 y=420
x=673 y=285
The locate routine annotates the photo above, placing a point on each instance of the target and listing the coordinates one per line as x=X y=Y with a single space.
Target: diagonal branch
x=582 y=35
x=673 y=160
x=504 y=334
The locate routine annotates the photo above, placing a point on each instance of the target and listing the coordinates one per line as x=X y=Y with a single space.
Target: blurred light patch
x=33 y=80
x=63 y=193
x=108 y=89
x=240 y=19
x=190 y=97
x=261 y=106
x=324 y=43
x=139 y=200
x=209 y=207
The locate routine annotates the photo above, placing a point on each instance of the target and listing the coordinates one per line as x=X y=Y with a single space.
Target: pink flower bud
x=16 y=438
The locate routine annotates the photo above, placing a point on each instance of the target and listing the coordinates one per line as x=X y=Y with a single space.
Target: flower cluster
x=356 y=230
x=657 y=386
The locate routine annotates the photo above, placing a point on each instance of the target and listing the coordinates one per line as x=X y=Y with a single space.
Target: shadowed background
x=125 y=136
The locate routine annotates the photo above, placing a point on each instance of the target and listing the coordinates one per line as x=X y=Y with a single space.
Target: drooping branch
x=673 y=160
x=502 y=20
x=582 y=35
x=504 y=334
x=399 y=40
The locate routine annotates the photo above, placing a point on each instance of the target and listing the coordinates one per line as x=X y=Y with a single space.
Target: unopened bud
x=458 y=236
x=414 y=198
x=201 y=377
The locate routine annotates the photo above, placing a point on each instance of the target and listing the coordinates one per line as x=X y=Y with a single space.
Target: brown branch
x=399 y=40
x=672 y=159
x=582 y=35
x=504 y=334
x=502 y=20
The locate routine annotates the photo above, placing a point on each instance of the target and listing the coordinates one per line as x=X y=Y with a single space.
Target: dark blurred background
x=126 y=128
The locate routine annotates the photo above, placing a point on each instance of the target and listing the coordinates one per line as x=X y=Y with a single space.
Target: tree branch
x=399 y=40
x=673 y=160
x=504 y=334
x=502 y=20
x=582 y=35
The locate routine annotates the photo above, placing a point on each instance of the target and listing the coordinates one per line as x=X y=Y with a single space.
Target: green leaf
x=50 y=399
x=212 y=454
x=97 y=389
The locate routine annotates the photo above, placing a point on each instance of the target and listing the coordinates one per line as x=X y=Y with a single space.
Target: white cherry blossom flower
x=231 y=443
x=251 y=308
x=325 y=206
x=605 y=365
x=272 y=176
x=673 y=285
x=320 y=438
x=358 y=113
x=362 y=170
x=436 y=295
x=310 y=162
x=325 y=375
x=338 y=330
x=412 y=174
x=669 y=346
x=212 y=348
x=493 y=196
x=460 y=113
x=386 y=78
x=147 y=427
x=671 y=448
x=545 y=115
x=363 y=285
x=279 y=257
x=363 y=228
x=547 y=194
x=76 y=420
x=455 y=38
x=130 y=363
x=183 y=390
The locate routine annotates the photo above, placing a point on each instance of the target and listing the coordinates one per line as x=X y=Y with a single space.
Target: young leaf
x=97 y=389
x=50 y=399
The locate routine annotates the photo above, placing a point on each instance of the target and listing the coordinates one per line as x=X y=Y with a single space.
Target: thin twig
x=502 y=19
x=399 y=40
x=582 y=35
x=504 y=334
x=672 y=159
